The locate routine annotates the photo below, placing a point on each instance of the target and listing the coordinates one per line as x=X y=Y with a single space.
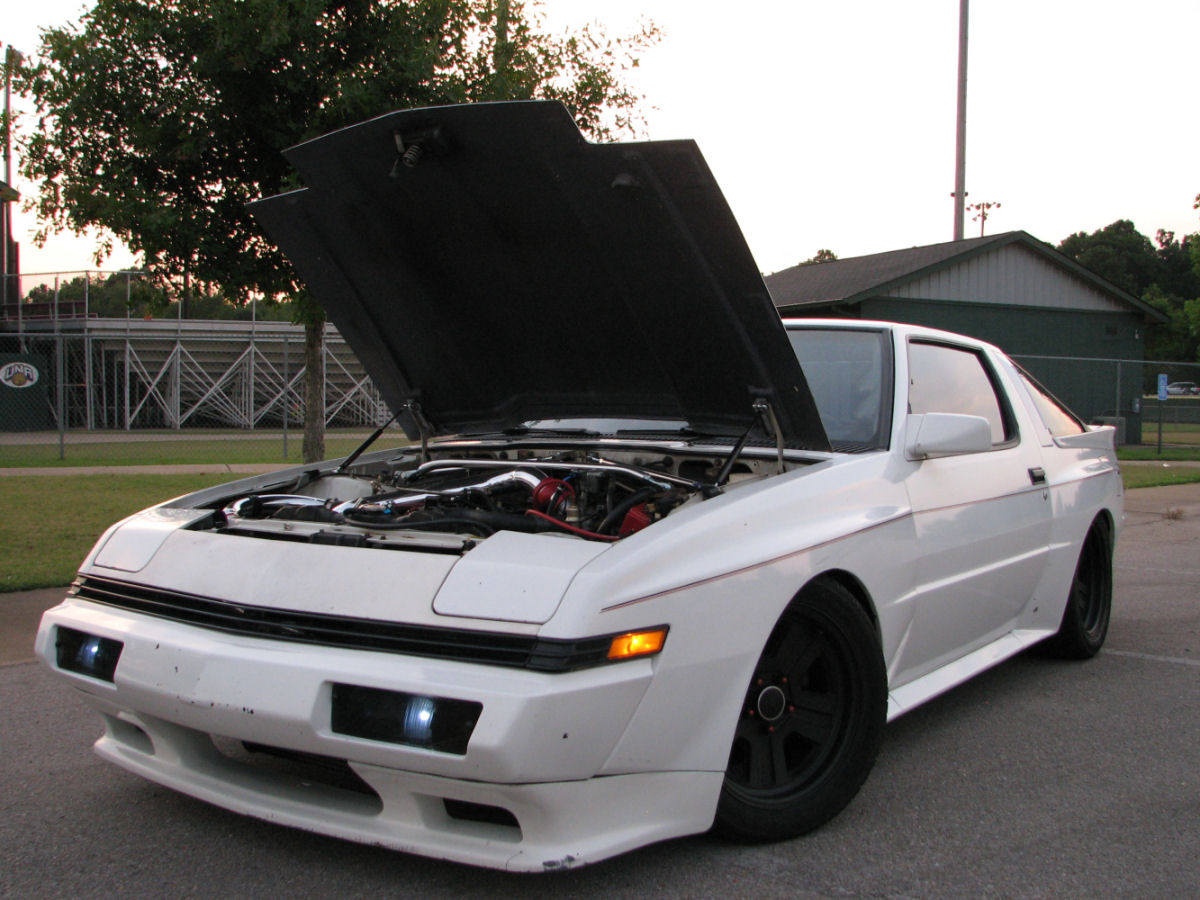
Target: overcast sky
x=831 y=124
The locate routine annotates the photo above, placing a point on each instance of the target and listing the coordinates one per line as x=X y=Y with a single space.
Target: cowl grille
x=486 y=647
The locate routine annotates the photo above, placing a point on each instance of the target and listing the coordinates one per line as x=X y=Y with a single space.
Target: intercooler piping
x=527 y=477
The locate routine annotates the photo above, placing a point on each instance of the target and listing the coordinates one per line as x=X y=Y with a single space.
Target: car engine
x=570 y=492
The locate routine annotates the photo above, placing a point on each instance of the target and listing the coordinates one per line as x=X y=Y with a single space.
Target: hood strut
x=764 y=416
x=424 y=429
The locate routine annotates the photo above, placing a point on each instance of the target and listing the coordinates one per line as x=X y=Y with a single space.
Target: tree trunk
x=314 y=391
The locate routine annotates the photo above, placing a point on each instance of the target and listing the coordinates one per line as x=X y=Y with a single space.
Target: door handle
x=1037 y=475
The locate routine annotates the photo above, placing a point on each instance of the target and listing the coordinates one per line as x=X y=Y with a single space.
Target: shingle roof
x=856 y=278
x=841 y=279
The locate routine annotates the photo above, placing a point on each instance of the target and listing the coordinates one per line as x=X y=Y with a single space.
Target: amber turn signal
x=637 y=643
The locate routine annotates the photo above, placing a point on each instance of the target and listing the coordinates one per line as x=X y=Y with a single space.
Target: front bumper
x=180 y=694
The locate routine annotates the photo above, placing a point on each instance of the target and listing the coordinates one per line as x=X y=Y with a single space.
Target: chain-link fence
x=106 y=350
x=1124 y=393
x=88 y=351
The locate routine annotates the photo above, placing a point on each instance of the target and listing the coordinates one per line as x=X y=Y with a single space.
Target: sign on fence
x=24 y=403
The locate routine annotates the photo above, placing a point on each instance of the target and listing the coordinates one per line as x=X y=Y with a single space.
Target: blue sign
x=1162 y=386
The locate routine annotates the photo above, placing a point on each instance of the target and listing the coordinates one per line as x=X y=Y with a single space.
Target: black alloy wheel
x=1089 y=605
x=812 y=721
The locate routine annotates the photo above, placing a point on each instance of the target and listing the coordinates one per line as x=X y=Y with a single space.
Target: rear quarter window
x=1059 y=420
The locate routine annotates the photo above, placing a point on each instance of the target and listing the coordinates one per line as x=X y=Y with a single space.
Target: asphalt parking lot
x=1037 y=779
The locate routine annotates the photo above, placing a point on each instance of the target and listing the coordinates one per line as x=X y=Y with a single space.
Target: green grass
x=49 y=522
x=209 y=451
x=1173 y=433
x=1144 y=451
x=1156 y=476
x=1179 y=441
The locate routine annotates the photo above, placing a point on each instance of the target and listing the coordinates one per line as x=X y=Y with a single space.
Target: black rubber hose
x=487 y=520
x=617 y=513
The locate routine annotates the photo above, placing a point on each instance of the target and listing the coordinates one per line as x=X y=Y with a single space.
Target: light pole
x=960 y=149
x=8 y=262
x=982 y=211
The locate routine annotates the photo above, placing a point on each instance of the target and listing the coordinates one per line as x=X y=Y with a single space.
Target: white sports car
x=654 y=562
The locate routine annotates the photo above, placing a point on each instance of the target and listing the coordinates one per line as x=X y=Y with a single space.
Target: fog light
x=435 y=723
x=87 y=654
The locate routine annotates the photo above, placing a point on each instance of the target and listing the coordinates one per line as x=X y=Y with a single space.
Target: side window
x=949 y=379
x=1059 y=420
x=849 y=374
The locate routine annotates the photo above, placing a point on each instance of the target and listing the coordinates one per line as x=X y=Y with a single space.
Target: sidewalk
x=20 y=611
x=1164 y=463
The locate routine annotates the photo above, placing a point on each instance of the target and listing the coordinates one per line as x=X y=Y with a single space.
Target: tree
x=1195 y=241
x=1159 y=274
x=1118 y=253
x=115 y=295
x=820 y=256
x=158 y=120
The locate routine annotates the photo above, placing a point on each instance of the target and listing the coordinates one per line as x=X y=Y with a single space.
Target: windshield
x=849 y=373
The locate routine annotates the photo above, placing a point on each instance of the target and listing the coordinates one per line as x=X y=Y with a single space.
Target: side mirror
x=945 y=434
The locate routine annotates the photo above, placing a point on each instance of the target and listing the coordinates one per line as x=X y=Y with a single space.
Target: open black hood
x=491 y=264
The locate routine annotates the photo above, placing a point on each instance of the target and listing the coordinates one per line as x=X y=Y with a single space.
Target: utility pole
x=960 y=155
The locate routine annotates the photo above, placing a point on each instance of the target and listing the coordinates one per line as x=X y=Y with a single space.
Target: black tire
x=812 y=723
x=1089 y=606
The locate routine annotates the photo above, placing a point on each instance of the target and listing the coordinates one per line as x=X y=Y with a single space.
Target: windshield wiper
x=684 y=431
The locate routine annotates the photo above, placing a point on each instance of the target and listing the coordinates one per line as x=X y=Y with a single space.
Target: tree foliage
x=1118 y=252
x=1160 y=273
x=118 y=295
x=1195 y=241
x=158 y=120
x=822 y=255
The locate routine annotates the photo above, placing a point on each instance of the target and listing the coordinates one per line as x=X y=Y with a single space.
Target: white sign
x=18 y=375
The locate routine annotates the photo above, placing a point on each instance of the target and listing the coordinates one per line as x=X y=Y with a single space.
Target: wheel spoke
x=761 y=763
x=812 y=702
x=817 y=728
x=800 y=649
x=778 y=758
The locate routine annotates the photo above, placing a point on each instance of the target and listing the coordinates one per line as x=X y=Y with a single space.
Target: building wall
x=1012 y=275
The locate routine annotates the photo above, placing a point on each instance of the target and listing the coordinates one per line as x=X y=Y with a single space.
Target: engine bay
x=449 y=501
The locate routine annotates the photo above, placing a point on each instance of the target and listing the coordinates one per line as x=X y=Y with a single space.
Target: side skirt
x=913 y=694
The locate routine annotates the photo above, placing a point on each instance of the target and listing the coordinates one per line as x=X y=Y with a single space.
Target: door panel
x=982 y=520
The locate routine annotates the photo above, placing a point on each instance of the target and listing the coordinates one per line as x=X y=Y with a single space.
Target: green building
x=1078 y=334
